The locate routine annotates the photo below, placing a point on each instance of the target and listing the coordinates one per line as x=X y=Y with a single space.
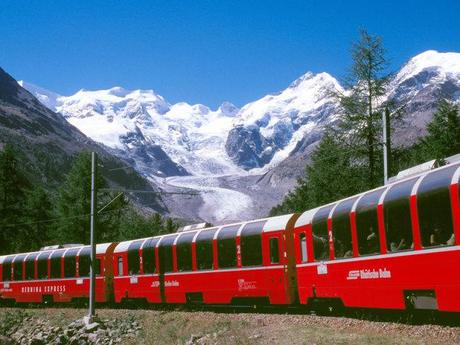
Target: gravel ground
x=206 y=327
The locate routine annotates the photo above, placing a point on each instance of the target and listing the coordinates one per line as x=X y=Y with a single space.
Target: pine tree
x=363 y=105
x=73 y=204
x=39 y=212
x=443 y=139
x=13 y=186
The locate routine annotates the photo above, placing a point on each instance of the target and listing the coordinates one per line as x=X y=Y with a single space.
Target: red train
x=393 y=247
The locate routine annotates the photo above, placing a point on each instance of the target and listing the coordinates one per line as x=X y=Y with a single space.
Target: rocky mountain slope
x=46 y=143
x=243 y=159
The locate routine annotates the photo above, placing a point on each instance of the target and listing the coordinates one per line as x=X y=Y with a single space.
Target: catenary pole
x=385 y=153
x=92 y=283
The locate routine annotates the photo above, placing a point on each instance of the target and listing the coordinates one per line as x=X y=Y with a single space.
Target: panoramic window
x=184 y=251
x=18 y=260
x=148 y=256
x=434 y=208
x=55 y=261
x=320 y=233
x=30 y=266
x=341 y=229
x=6 y=268
x=70 y=263
x=367 y=223
x=42 y=265
x=134 y=265
x=84 y=260
x=226 y=246
x=397 y=216
x=274 y=250
x=303 y=247
x=251 y=244
x=204 y=251
x=166 y=254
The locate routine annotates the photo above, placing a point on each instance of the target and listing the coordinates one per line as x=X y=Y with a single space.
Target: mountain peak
x=228 y=109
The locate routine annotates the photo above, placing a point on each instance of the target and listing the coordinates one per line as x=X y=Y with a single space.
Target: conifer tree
x=363 y=105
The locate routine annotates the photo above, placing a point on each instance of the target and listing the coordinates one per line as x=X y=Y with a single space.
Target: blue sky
x=208 y=51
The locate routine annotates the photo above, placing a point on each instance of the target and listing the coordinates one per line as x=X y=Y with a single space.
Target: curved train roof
x=307 y=216
x=100 y=249
x=271 y=224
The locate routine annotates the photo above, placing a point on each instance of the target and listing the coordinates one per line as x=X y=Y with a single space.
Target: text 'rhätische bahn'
x=394 y=247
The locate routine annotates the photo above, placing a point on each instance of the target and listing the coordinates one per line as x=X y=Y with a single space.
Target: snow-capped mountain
x=267 y=131
x=271 y=138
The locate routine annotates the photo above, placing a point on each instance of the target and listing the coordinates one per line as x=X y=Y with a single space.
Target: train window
x=184 y=251
x=120 y=266
x=434 y=208
x=42 y=266
x=226 y=246
x=30 y=266
x=17 y=271
x=55 y=260
x=70 y=262
x=165 y=252
x=274 y=251
x=397 y=216
x=367 y=223
x=320 y=233
x=6 y=268
x=204 y=251
x=303 y=247
x=251 y=244
x=148 y=256
x=134 y=265
x=84 y=261
x=341 y=229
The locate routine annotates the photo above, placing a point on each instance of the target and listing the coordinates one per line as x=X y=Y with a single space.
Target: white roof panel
x=102 y=248
x=2 y=258
x=277 y=223
x=306 y=217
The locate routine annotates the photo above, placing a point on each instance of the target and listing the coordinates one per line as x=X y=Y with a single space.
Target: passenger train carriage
x=58 y=275
x=219 y=265
x=394 y=247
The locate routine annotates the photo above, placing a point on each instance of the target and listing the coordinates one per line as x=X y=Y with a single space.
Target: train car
x=243 y=262
x=57 y=275
x=394 y=247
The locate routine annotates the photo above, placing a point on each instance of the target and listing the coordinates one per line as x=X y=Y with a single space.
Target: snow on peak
x=228 y=109
x=431 y=60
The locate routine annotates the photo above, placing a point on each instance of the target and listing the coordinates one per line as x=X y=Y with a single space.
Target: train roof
x=271 y=224
x=100 y=249
x=307 y=216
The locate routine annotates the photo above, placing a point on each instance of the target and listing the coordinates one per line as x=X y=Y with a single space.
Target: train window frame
x=369 y=239
x=303 y=250
x=7 y=262
x=18 y=267
x=70 y=263
x=274 y=250
x=184 y=253
x=84 y=262
x=226 y=247
x=149 y=262
x=320 y=233
x=397 y=215
x=120 y=265
x=56 y=264
x=166 y=254
x=134 y=258
x=42 y=265
x=251 y=244
x=204 y=249
x=30 y=266
x=436 y=186
x=342 y=236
